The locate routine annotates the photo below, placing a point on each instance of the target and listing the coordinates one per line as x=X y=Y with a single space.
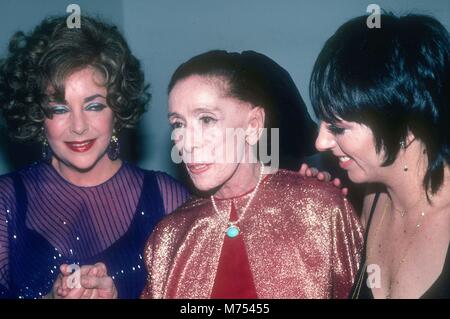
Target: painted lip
x=344 y=161
x=198 y=168
x=81 y=146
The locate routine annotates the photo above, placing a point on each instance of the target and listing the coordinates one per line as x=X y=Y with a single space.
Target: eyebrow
x=93 y=97
x=197 y=110
x=206 y=109
x=173 y=114
x=87 y=99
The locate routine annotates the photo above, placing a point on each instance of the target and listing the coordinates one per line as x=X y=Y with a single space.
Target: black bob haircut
x=395 y=80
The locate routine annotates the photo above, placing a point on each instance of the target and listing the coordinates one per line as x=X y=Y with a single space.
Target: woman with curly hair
x=73 y=90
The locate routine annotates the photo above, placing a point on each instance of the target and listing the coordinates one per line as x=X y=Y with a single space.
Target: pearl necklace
x=233 y=230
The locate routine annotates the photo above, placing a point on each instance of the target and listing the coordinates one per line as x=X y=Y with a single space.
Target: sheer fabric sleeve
x=173 y=192
x=7 y=209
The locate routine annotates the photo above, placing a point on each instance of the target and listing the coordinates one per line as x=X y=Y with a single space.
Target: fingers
x=86 y=269
x=94 y=282
x=89 y=288
x=323 y=176
x=74 y=293
x=326 y=176
x=61 y=292
x=312 y=171
x=303 y=169
x=65 y=269
x=88 y=294
x=57 y=290
x=95 y=277
x=337 y=182
x=109 y=291
x=101 y=269
x=99 y=287
x=345 y=191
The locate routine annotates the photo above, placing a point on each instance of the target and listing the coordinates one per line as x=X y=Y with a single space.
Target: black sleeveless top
x=440 y=289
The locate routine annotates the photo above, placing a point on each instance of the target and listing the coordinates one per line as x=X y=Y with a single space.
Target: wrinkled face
x=80 y=130
x=354 y=145
x=211 y=130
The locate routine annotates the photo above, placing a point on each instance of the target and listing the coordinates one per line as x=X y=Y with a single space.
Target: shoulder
x=315 y=206
x=33 y=171
x=165 y=178
x=194 y=204
x=172 y=188
x=307 y=196
x=162 y=177
x=8 y=196
x=7 y=184
x=307 y=187
x=185 y=215
x=37 y=171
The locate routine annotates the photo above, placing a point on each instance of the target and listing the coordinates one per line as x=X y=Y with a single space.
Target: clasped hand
x=87 y=282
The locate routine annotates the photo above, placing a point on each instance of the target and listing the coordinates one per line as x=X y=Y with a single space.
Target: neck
x=406 y=189
x=103 y=170
x=243 y=180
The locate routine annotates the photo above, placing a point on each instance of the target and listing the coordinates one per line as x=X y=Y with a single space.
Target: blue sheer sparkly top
x=46 y=221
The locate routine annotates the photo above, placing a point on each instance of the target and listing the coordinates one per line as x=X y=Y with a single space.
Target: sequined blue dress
x=46 y=221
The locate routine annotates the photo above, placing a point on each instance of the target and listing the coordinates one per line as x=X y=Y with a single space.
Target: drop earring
x=114 y=147
x=46 y=151
x=403 y=147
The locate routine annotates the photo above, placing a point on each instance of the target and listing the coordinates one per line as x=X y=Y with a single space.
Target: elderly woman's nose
x=191 y=139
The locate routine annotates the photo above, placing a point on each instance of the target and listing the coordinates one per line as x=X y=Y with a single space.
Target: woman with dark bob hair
x=73 y=90
x=383 y=96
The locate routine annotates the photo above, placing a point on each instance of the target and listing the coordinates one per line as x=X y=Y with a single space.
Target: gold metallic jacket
x=302 y=238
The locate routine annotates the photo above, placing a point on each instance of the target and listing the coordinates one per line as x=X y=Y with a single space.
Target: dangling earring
x=114 y=147
x=46 y=151
x=403 y=147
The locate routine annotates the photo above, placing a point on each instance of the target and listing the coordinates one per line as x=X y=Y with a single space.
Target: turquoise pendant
x=232 y=231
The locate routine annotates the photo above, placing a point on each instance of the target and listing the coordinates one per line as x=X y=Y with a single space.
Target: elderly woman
x=259 y=233
x=383 y=98
x=74 y=90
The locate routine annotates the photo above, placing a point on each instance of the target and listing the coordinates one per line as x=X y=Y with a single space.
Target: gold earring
x=403 y=147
